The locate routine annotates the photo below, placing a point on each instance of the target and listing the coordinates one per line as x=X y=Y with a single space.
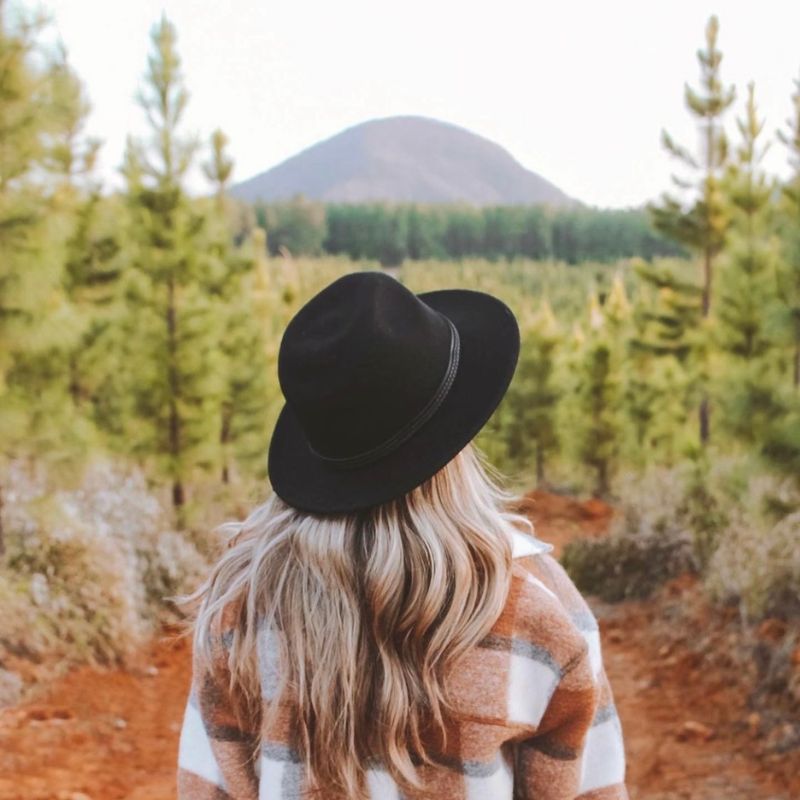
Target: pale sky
x=577 y=91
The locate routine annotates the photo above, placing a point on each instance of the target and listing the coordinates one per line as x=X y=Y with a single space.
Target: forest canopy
x=392 y=233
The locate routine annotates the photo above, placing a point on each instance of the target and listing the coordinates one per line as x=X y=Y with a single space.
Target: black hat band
x=411 y=427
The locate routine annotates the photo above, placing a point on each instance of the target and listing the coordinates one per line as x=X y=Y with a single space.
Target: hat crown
x=360 y=362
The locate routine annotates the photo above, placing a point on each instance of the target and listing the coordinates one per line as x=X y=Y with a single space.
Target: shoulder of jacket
x=523 y=545
x=550 y=594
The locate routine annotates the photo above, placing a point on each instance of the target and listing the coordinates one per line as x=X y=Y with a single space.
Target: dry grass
x=88 y=570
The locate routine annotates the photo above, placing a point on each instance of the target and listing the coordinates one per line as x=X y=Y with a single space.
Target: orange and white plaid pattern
x=535 y=716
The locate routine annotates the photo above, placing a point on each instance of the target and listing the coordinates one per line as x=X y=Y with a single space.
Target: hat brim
x=489 y=351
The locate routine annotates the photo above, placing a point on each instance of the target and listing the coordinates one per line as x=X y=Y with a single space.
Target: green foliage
x=598 y=396
x=701 y=511
x=389 y=234
x=219 y=168
x=749 y=285
x=597 y=393
x=296 y=227
x=782 y=445
x=244 y=406
x=748 y=293
x=171 y=322
x=789 y=269
x=701 y=222
x=41 y=108
x=534 y=395
x=668 y=316
x=244 y=400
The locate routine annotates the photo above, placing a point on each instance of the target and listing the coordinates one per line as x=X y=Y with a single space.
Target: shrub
x=742 y=534
x=757 y=562
x=88 y=570
x=623 y=566
x=648 y=543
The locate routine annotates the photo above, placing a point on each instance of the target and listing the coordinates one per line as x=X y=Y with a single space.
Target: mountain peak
x=405 y=159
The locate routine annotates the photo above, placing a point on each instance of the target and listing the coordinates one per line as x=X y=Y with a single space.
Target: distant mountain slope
x=404 y=159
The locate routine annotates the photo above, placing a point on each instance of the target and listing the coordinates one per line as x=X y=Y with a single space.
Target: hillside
x=404 y=159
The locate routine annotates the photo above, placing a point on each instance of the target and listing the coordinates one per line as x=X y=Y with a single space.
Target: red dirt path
x=112 y=734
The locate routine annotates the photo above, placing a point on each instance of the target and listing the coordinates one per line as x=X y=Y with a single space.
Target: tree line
x=391 y=234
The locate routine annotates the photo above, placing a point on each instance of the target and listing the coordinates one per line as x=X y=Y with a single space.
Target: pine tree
x=664 y=346
x=748 y=286
x=41 y=115
x=244 y=401
x=21 y=219
x=534 y=397
x=597 y=424
x=92 y=264
x=790 y=267
x=74 y=195
x=783 y=445
x=667 y=322
x=656 y=349
x=599 y=430
x=30 y=270
x=701 y=222
x=275 y=298
x=219 y=168
x=638 y=394
x=71 y=153
x=172 y=323
x=748 y=282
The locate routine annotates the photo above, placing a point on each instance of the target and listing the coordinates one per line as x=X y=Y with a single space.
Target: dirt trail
x=112 y=735
x=688 y=731
x=100 y=734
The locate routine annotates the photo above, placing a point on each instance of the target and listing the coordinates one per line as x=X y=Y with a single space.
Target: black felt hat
x=383 y=387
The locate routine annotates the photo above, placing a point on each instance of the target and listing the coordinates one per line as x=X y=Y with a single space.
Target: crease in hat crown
x=414 y=424
x=364 y=365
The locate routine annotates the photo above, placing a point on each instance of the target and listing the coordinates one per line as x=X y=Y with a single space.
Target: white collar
x=523 y=544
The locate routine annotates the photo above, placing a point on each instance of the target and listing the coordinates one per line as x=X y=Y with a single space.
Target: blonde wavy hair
x=372 y=609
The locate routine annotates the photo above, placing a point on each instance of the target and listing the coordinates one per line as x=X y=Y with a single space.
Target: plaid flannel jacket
x=536 y=715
